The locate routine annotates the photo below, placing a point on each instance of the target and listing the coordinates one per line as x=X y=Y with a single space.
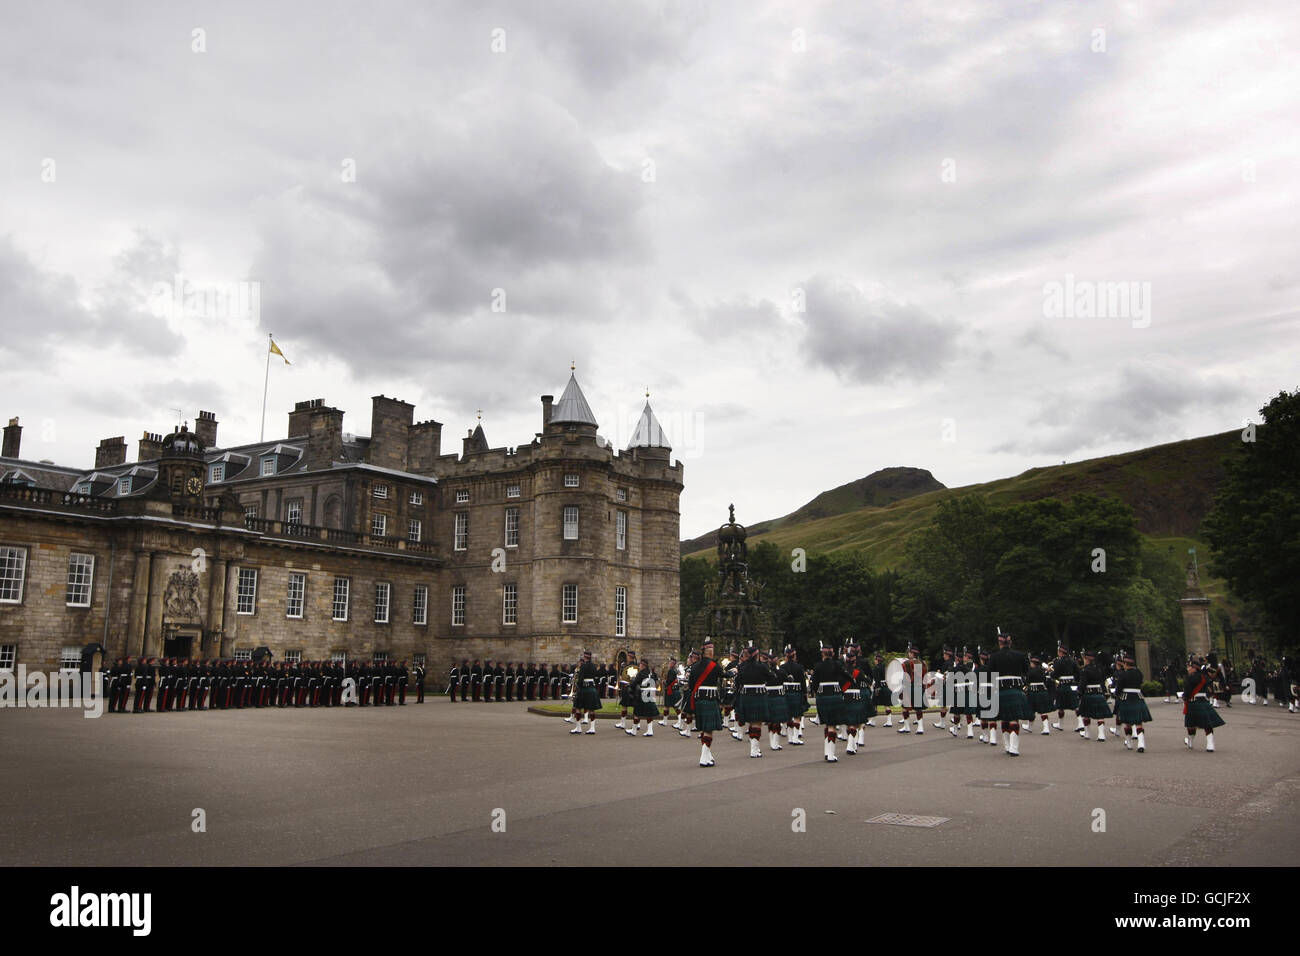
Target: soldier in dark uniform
x=986 y=688
x=143 y=685
x=1197 y=711
x=945 y=670
x=418 y=672
x=751 y=697
x=1129 y=702
x=857 y=699
x=1039 y=697
x=913 y=690
x=453 y=680
x=794 y=685
x=530 y=681
x=510 y=682
x=521 y=680
x=586 y=701
x=884 y=696
x=476 y=679
x=1011 y=666
x=728 y=684
x=1092 y=704
x=704 y=700
x=1065 y=674
x=626 y=695
x=777 y=711
x=672 y=694
x=499 y=679
x=403 y=679
x=687 y=715
x=555 y=682
x=964 y=700
x=828 y=680
x=643 y=701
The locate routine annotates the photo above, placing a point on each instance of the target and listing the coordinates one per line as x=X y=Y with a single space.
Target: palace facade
x=323 y=545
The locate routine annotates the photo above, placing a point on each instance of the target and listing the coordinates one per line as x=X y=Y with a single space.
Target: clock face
x=194 y=485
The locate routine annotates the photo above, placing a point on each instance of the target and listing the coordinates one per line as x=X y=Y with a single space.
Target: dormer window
x=124 y=485
x=268 y=466
x=217 y=472
x=82 y=488
x=380 y=491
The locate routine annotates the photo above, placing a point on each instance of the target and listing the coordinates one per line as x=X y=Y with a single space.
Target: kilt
x=708 y=714
x=626 y=696
x=1132 y=709
x=1094 y=707
x=777 y=711
x=868 y=705
x=673 y=698
x=851 y=710
x=964 y=700
x=644 y=708
x=993 y=712
x=1013 y=704
x=751 y=708
x=796 y=705
x=884 y=696
x=1040 y=701
x=587 y=699
x=830 y=709
x=1067 y=698
x=1201 y=713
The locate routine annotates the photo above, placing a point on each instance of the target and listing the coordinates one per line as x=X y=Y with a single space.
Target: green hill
x=1169 y=487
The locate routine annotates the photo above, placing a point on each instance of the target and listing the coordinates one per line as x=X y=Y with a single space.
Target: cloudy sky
x=830 y=237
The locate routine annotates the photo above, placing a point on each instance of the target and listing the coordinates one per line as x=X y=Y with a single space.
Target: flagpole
x=270 y=337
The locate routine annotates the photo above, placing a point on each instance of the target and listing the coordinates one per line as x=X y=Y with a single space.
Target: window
x=81 y=574
x=620 y=531
x=70 y=659
x=510 y=605
x=570 y=523
x=458 y=605
x=420 y=605
x=462 y=531
x=381 y=491
x=379 y=525
x=417 y=497
x=620 y=612
x=621 y=494
x=338 y=657
x=512 y=527
x=293 y=511
x=512 y=491
x=379 y=657
x=8 y=654
x=414 y=528
x=571 y=481
x=250 y=511
x=124 y=485
x=341 y=588
x=297 y=594
x=268 y=465
x=13 y=568
x=217 y=472
x=246 y=655
x=569 y=613
x=383 y=591
x=293 y=657
x=417 y=660
x=246 y=596
x=83 y=488
x=462 y=496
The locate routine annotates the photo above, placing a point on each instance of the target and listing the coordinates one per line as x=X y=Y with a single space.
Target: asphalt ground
x=491 y=784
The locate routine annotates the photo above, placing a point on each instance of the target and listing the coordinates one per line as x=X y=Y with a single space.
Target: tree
x=1254 y=527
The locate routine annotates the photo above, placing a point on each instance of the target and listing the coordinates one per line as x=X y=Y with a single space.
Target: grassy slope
x=1170 y=488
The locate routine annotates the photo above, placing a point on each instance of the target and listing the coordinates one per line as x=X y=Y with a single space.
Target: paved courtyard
x=422 y=784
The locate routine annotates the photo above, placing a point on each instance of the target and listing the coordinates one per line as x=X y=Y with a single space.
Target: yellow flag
x=275 y=349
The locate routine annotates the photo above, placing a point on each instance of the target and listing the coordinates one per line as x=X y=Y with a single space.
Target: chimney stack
x=423 y=446
x=390 y=430
x=13 y=439
x=324 y=435
x=547 y=401
x=111 y=451
x=205 y=429
x=150 y=447
x=300 y=417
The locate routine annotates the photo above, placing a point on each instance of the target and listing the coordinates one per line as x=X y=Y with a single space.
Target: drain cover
x=908 y=820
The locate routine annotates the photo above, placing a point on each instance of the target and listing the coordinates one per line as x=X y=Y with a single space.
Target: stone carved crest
x=181 y=599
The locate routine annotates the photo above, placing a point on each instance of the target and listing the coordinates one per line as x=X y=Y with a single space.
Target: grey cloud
x=872 y=339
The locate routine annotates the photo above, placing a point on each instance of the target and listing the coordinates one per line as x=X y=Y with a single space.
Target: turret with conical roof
x=648 y=432
x=572 y=408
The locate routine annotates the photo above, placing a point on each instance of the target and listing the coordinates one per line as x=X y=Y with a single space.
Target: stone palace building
x=323 y=545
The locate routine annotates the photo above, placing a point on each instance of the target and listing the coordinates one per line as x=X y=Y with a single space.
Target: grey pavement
x=423 y=784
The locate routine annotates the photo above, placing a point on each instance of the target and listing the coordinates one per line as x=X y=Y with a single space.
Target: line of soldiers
x=175 y=684
x=505 y=681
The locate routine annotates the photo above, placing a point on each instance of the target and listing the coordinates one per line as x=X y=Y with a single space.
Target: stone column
x=1196 y=615
x=228 y=639
x=1142 y=656
x=217 y=601
x=139 y=605
x=153 y=618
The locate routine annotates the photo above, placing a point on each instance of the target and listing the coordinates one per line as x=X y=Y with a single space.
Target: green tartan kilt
x=852 y=711
x=829 y=708
x=708 y=714
x=868 y=705
x=1067 y=698
x=777 y=711
x=1201 y=713
x=1094 y=707
x=992 y=713
x=1132 y=709
x=626 y=696
x=1040 y=701
x=796 y=705
x=674 y=697
x=1013 y=704
x=884 y=696
x=751 y=708
x=644 y=708
x=587 y=699
x=965 y=694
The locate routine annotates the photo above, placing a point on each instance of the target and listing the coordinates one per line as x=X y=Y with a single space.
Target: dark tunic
x=796 y=701
x=830 y=700
x=1040 y=698
x=1197 y=709
x=585 y=695
x=1130 y=706
x=703 y=691
x=1092 y=703
x=1013 y=704
x=751 y=705
x=1065 y=671
x=643 y=701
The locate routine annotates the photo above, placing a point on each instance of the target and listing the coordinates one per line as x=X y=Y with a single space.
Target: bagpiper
x=1065 y=673
x=626 y=695
x=1092 y=704
x=1197 y=712
x=1011 y=666
x=672 y=693
x=828 y=678
x=795 y=684
x=688 y=711
x=943 y=678
x=857 y=691
x=913 y=690
x=704 y=700
x=1130 y=705
x=643 y=701
x=965 y=703
x=1040 y=698
x=777 y=711
x=586 y=700
x=751 y=697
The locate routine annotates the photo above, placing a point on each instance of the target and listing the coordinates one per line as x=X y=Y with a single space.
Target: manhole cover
x=1008 y=785
x=908 y=820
